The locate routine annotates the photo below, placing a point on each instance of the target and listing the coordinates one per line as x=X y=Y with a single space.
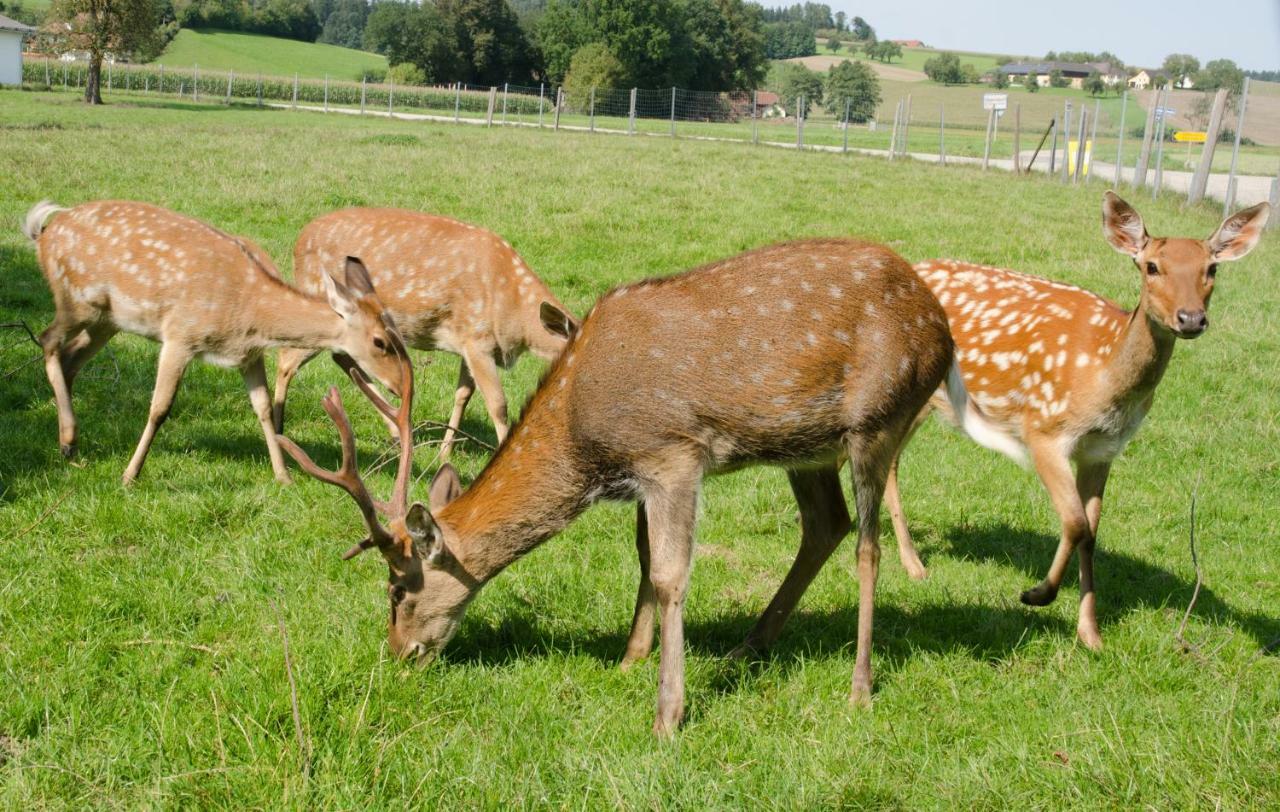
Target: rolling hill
x=254 y=53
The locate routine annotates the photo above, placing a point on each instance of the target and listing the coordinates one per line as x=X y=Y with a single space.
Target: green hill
x=255 y=53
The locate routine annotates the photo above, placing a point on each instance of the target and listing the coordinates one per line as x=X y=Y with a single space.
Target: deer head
x=1178 y=273
x=427 y=590
x=366 y=339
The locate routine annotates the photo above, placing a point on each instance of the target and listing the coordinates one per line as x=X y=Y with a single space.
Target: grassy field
x=914 y=58
x=255 y=53
x=141 y=663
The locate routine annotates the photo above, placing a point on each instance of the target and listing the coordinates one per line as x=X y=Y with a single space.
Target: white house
x=12 y=33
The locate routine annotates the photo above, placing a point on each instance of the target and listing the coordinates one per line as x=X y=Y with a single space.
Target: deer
x=115 y=265
x=797 y=355
x=1069 y=376
x=449 y=285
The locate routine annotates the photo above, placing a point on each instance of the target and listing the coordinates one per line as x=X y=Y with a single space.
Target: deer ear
x=424 y=532
x=1122 y=225
x=340 y=297
x=358 y=277
x=1239 y=233
x=445 y=487
x=556 y=321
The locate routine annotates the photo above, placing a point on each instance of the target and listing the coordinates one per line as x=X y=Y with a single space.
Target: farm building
x=1144 y=79
x=1074 y=72
x=12 y=33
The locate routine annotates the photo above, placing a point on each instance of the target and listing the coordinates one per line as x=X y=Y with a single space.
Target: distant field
x=914 y=58
x=254 y=53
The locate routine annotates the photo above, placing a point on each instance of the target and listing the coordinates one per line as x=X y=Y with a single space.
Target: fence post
x=1159 y=179
x=1093 y=138
x=195 y=84
x=64 y=74
x=457 y=101
x=1066 y=141
x=1201 y=178
x=1148 y=132
x=364 y=84
x=755 y=121
x=505 y=86
x=1235 y=153
x=47 y=83
x=1080 y=145
x=110 y=74
x=541 y=92
x=159 y=82
x=1275 y=201
x=905 y=146
x=800 y=122
x=295 y=91
x=942 y=136
x=259 y=89
x=631 y=115
x=1124 y=108
x=326 y=92
x=1053 y=149
x=391 y=92
x=591 y=109
x=673 y=112
x=986 y=144
x=231 y=77
x=846 y=125
x=493 y=102
x=1017 y=138
x=556 y=114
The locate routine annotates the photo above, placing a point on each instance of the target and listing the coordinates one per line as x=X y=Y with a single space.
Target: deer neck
x=1139 y=356
x=530 y=491
x=287 y=317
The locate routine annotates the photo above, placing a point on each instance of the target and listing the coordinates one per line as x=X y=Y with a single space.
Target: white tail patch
x=33 y=224
x=970 y=419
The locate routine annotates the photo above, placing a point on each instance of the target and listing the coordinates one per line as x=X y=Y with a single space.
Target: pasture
x=142 y=662
x=272 y=56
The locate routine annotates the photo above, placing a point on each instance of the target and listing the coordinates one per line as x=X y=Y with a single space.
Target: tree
x=344 y=23
x=1056 y=79
x=418 y=34
x=1094 y=84
x=969 y=74
x=833 y=45
x=885 y=51
x=1221 y=73
x=861 y=31
x=1032 y=82
x=1000 y=80
x=857 y=84
x=101 y=26
x=721 y=46
x=788 y=39
x=795 y=80
x=840 y=18
x=1180 y=67
x=492 y=44
x=945 y=69
x=594 y=65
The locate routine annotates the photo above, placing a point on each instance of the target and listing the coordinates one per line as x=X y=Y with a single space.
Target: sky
x=1140 y=32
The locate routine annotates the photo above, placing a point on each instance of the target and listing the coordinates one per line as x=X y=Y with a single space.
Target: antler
x=347 y=476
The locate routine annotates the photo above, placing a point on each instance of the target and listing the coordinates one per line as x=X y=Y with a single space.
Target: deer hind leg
x=173 y=362
x=824 y=521
x=672 y=508
x=485 y=374
x=255 y=379
x=82 y=348
x=288 y=362
x=461 y=397
x=893 y=499
x=1091 y=481
x=54 y=342
x=640 y=641
x=870 y=456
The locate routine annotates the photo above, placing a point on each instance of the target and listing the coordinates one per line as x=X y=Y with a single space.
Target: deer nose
x=1192 y=322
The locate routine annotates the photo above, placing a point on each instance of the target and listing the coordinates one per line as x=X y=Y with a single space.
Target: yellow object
x=1072 y=148
x=1190 y=137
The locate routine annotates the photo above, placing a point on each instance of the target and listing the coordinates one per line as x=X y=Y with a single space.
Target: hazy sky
x=1141 y=32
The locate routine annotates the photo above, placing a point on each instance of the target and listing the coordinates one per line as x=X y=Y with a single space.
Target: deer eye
x=1213 y=270
x=380 y=343
x=1152 y=270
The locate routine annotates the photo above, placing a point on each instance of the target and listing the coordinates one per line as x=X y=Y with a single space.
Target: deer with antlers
x=117 y=266
x=449 y=285
x=1069 y=376
x=795 y=355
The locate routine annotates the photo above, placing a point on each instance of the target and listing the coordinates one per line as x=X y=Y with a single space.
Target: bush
x=794 y=81
x=1056 y=79
x=833 y=45
x=1000 y=80
x=593 y=65
x=857 y=84
x=372 y=75
x=406 y=73
x=945 y=69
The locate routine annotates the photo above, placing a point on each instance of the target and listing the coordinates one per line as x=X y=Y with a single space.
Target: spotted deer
x=796 y=355
x=116 y=265
x=449 y=285
x=1070 y=376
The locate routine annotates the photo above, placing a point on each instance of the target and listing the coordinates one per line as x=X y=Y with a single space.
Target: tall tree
x=854 y=83
x=102 y=26
x=1180 y=66
x=493 y=45
x=724 y=45
x=419 y=35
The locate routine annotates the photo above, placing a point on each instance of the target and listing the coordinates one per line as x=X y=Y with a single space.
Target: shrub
x=406 y=73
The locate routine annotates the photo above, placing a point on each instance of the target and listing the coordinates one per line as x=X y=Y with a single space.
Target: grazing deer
x=1070 y=376
x=449 y=285
x=794 y=355
x=121 y=266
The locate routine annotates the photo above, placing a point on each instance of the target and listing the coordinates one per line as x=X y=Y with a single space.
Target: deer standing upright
x=449 y=285
x=1070 y=376
x=794 y=355
x=122 y=266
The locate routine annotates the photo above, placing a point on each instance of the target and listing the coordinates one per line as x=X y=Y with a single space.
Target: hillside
x=909 y=68
x=254 y=53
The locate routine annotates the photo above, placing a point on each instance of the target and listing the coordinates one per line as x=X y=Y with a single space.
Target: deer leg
x=461 y=397
x=869 y=459
x=485 y=373
x=893 y=498
x=79 y=351
x=173 y=362
x=640 y=641
x=255 y=379
x=1091 y=481
x=288 y=362
x=672 y=510
x=51 y=340
x=824 y=521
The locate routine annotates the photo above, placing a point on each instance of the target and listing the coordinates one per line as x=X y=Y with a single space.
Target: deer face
x=1178 y=274
x=366 y=338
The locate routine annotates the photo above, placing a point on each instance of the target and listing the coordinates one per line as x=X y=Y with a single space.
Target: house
x=12 y=33
x=1145 y=78
x=908 y=43
x=1074 y=72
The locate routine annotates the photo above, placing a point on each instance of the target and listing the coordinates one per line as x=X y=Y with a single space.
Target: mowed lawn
x=141 y=659
x=272 y=56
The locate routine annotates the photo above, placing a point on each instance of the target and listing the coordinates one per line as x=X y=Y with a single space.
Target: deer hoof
x=1041 y=594
x=1090 y=637
x=860 y=696
x=68 y=450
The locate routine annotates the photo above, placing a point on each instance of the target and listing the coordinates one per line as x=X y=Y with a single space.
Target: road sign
x=995 y=101
x=1165 y=111
x=1190 y=137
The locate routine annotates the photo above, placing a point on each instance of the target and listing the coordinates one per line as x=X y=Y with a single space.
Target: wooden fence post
x=295 y=91
x=1230 y=198
x=673 y=112
x=493 y=101
x=542 y=89
x=505 y=89
x=1093 y=139
x=1148 y=132
x=457 y=101
x=559 y=104
x=1017 y=138
x=1159 y=178
x=1124 y=108
x=326 y=92
x=986 y=144
x=1201 y=178
x=631 y=114
x=906 y=127
x=942 y=136
x=1066 y=141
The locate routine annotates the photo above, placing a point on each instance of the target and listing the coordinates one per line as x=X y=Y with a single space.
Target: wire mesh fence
x=1071 y=139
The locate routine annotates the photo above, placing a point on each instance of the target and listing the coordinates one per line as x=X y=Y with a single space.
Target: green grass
x=272 y=56
x=981 y=702
x=914 y=58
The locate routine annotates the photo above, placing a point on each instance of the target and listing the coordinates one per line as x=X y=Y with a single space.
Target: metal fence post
x=542 y=88
x=556 y=113
x=457 y=101
x=591 y=109
x=846 y=125
x=1080 y=145
x=1200 y=179
x=259 y=89
x=493 y=102
x=1159 y=178
x=673 y=112
x=505 y=86
x=1017 y=138
x=986 y=148
x=1093 y=139
x=631 y=115
x=110 y=74
x=1235 y=152
x=1124 y=108
x=800 y=122
x=195 y=84
x=159 y=82
x=364 y=85
x=1066 y=141
x=326 y=92
x=1144 y=153
x=906 y=127
x=942 y=136
x=231 y=77
x=295 y=91
x=755 y=121
x=893 y=136
x=47 y=83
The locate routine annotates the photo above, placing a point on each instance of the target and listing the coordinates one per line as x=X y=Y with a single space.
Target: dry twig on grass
x=47 y=512
x=303 y=747
x=147 y=641
x=1179 y=636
